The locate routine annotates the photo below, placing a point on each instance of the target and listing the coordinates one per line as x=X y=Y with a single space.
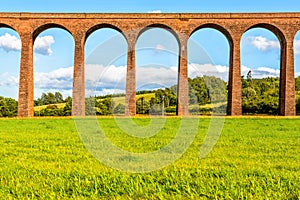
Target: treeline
x=259 y=96
x=202 y=90
x=50 y=104
x=8 y=107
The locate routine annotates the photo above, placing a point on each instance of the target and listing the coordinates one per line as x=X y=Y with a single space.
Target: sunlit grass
x=254 y=158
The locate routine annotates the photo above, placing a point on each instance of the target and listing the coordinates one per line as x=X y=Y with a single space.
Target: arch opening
x=261 y=48
x=157 y=61
x=105 y=71
x=297 y=70
x=208 y=70
x=10 y=54
x=53 y=71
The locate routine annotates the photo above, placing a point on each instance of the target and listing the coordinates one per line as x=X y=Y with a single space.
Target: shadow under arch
x=101 y=26
x=3 y=25
x=44 y=27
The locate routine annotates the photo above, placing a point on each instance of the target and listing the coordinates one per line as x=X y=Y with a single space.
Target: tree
x=8 y=107
x=58 y=97
x=47 y=99
x=142 y=106
x=297 y=84
x=67 y=110
x=249 y=76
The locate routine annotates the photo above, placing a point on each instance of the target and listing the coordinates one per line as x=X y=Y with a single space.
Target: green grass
x=254 y=158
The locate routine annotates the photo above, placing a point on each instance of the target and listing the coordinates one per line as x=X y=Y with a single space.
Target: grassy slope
x=255 y=158
x=116 y=100
x=59 y=105
x=121 y=100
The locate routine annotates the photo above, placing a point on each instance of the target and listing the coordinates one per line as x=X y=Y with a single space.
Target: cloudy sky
x=156 y=50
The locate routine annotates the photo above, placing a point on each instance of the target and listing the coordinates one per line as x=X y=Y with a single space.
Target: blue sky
x=157 y=49
x=146 y=5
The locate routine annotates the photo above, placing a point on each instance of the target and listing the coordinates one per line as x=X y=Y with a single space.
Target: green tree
x=58 y=97
x=8 y=107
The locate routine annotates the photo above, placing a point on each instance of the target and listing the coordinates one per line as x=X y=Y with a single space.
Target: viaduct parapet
x=182 y=25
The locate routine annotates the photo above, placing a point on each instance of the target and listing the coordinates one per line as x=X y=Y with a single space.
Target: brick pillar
x=183 y=89
x=234 y=106
x=130 y=99
x=78 y=100
x=287 y=79
x=25 y=102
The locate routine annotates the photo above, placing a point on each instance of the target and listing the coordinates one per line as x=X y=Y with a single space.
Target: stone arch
x=109 y=50
x=2 y=25
x=275 y=30
x=13 y=64
x=104 y=25
x=296 y=44
x=279 y=35
x=62 y=62
x=217 y=27
x=162 y=26
x=170 y=48
x=228 y=41
x=44 y=27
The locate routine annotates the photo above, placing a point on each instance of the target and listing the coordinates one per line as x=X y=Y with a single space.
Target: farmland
x=254 y=158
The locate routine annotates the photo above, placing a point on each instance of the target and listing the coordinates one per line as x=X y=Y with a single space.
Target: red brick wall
x=80 y=25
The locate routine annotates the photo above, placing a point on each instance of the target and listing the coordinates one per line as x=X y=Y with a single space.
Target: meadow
x=254 y=158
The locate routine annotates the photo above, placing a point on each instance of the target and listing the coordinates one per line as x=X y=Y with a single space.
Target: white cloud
x=263 y=43
x=7 y=79
x=297 y=47
x=155 y=11
x=209 y=70
x=42 y=45
x=58 y=79
x=263 y=72
x=103 y=92
x=101 y=80
x=99 y=76
x=10 y=42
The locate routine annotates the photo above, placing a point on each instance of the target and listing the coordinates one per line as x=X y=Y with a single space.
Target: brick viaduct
x=81 y=25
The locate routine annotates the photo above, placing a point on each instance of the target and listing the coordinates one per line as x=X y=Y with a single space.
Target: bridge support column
x=130 y=99
x=183 y=89
x=234 y=106
x=25 y=102
x=287 y=79
x=78 y=99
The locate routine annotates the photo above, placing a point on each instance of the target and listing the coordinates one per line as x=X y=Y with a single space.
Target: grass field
x=254 y=158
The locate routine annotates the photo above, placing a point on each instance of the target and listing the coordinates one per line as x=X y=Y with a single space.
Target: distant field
x=121 y=100
x=254 y=158
x=116 y=101
x=59 y=105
